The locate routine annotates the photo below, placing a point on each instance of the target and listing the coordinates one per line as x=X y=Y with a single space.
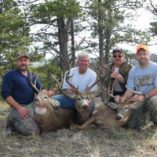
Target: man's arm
x=127 y=95
x=153 y=92
x=142 y=97
x=24 y=113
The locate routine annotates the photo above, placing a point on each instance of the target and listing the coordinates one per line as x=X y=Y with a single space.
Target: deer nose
x=37 y=99
x=85 y=107
x=119 y=117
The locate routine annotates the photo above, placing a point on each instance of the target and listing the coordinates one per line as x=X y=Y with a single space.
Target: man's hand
x=24 y=112
x=117 y=76
x=137 y=98
x=52 y=92
x=117 y=99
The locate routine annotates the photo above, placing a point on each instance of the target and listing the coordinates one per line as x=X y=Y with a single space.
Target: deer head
x=44 y=103
x=83 y=99
x=124 y=110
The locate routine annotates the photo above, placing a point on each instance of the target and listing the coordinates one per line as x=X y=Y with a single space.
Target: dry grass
x=92 y=142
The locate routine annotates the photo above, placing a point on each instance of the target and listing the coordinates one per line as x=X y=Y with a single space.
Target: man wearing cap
x=143 y=79
x=19 y=94
x=119 y=70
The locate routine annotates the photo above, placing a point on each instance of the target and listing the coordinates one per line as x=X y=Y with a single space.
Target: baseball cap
x=143 y=47
x=117 y=50
x=19 y=55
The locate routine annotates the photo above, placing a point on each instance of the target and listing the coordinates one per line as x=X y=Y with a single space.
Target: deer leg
x=86 y=123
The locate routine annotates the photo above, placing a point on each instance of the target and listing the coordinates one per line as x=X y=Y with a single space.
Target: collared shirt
x=19 y=87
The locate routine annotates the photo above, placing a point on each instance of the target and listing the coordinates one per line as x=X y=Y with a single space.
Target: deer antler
x=91 y=86
x=100 y=73
x=67 y=77
x=34 y=85
x=73 y=88
x=136 y=92
x=110 y=90
x=57 y=82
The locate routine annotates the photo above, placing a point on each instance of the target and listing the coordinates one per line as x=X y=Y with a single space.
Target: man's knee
x=27 y=127
x=65 y=102
x=24 y=126
x=152 y=108
x=152 y=104
x=136 y=119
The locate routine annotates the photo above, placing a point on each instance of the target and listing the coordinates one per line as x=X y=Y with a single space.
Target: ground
x=91 y=142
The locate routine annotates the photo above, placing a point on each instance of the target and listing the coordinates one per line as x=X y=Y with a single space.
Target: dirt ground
x=91 y=142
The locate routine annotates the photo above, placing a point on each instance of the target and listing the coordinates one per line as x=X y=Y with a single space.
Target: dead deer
x=93 y=111
x=48 y=115
x=84 y=100
x=107 y=116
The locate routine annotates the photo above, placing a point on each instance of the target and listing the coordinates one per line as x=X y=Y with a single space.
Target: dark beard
x=23 y=69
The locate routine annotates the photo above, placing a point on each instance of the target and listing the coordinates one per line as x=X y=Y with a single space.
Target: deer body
x=49 y=116
x=107 y=117
x=102 y=114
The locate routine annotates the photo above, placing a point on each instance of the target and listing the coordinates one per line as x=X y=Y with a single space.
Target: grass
x=91 y=142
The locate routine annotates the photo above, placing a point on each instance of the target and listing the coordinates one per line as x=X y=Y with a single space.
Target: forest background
x=55 y=31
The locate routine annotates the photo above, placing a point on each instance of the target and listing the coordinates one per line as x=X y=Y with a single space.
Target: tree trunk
x=63 y=41
x=100 y=32
x=73 y=50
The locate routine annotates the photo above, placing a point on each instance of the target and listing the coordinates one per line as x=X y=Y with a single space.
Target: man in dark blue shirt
x=19 y=94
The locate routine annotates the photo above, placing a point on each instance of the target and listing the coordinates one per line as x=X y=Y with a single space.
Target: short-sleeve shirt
x=143 y=79
x=81 y=81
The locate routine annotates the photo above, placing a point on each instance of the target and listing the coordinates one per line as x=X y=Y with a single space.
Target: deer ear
x=112 y=105
x=55 y=104
x=95 y=112
x=44 y=91
x=136 y=105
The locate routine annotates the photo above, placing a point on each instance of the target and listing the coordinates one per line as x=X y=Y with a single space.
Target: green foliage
x=153 y=8
x=57 y=8
x=108 y=23
x=44 y=74
x=56 y=19
x=153 y=28
x=14 y=31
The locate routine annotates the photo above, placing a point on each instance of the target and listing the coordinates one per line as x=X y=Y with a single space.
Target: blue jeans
x=65 y=102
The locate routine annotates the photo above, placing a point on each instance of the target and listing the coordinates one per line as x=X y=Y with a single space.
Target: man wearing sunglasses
x=142 y=87
x=118 y=74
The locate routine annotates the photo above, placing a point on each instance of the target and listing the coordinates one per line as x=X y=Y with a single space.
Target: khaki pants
x=137 y=118
x=147 y=111
x=151 y=107
x=26 y=126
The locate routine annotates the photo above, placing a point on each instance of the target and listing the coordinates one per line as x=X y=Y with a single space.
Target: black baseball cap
x=117 y=50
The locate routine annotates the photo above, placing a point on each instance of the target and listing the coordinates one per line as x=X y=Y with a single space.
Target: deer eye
x=126 y=108
x=45 y=97
x=79 y=99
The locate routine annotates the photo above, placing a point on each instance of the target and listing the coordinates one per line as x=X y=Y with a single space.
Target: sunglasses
x=117 y=56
